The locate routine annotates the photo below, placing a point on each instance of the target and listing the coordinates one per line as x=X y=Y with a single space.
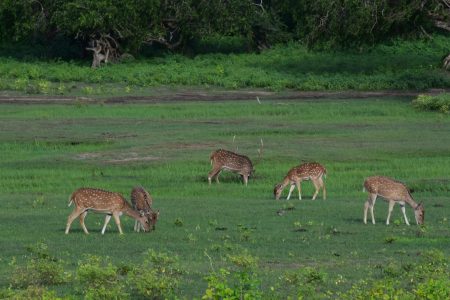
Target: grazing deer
x=307 y=171
x=394 y=192
x=227 y=160
x=100 y=201
x=142 y=202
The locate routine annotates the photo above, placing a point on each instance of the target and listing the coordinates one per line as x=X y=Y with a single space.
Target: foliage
x=31 y=292
x=40 y=269
x=98 y=278
x=305 y=283
x=439 y=102
x=400 y=65
x=157 y=277
x=239 y=281
x=176 y=24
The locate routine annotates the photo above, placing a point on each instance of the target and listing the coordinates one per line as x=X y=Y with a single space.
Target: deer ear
x=420 y=205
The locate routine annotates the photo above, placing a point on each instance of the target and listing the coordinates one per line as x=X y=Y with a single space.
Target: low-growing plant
x=41 y=268
x=157 y=277
x=439 y=102
x=98 y=278
x=31 y=292
x=305 y=282
x=238 y=281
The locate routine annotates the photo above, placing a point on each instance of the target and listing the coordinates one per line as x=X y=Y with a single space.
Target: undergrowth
x=439 y=103
x=397 y=65
x=239 y=278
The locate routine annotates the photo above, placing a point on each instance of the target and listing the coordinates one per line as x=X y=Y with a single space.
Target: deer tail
x=70 y=200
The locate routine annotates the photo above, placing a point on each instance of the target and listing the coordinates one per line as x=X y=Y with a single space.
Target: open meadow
x=293 y=247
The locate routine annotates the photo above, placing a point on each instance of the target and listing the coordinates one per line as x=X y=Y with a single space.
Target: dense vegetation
x=397 y=65
x=224 y=239
x=434 y=103
x=174 y=24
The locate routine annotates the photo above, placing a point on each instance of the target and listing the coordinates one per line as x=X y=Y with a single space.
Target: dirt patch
x=115 y=158
x=223 y=95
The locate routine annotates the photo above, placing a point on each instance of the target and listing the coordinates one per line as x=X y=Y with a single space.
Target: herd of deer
x=114 y=204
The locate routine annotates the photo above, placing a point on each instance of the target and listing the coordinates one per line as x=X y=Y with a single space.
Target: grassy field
x=400 y=65
x=48 y=151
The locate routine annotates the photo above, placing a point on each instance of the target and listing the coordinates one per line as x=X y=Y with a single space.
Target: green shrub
x=32 y=292
x=434 y=289
x=40 y=269
x=440 y=102
x=157 y=277
x=305 y=282
x=239 y=281
x=98 y=278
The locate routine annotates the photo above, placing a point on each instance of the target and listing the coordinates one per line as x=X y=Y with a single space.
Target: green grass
x=398 y=65
x=48 y=151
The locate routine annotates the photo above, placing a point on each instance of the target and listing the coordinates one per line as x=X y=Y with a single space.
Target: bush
x=157 y=277
x=32 y=292
x=440 y=102
x=239 y=281
x=98 y=279
x=40 y=269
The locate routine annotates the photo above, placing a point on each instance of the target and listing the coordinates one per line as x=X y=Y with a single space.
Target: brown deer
x=142 y=202
x=100 y=201
x=306 y=171
x=394 y=192
x=226 y=160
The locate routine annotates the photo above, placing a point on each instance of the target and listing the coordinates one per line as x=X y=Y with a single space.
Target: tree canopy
x=175 y=24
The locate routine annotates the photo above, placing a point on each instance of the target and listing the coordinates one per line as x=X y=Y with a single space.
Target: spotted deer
x=394 y=192
x=226 y=160
x=100 y=201
x=142 y=202
x=306 y=171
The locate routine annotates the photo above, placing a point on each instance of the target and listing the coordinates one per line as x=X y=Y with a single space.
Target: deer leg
x=322 y=185
x=299 y=188
x=245 y=178
x=290 y=192
x=135 y=228
x=117 y=220
x=317 y=187
x=217 y=176
x=402 y=207
x=71 y=218
x=107 y=218
x=214 y=172
x=82 y=216
x=391 y=207
x=369 y=204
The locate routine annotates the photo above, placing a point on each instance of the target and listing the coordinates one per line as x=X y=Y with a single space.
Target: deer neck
x=286 y=182
x=410 y=201
x=131 y=212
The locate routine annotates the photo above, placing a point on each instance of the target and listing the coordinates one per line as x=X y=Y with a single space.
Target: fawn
x=307 y=171
x=100 y=201
x=142 y=202
x=227 y=160
x=394 y=192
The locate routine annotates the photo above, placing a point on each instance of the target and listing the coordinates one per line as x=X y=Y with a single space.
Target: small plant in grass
x=238 y=281
x=40 y=269
x=305 y=283
x=31 y=292
x=98 y=278
x=178 y=222
x=439 y=102
x=157 y=277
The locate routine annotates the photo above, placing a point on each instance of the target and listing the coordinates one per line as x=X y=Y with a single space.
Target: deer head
x=419 y=213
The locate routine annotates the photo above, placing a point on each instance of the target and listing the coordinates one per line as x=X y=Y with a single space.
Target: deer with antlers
x=142 y=202
x=226 y=160
x=101 y=201
x=307 y=171
x=394 y=192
